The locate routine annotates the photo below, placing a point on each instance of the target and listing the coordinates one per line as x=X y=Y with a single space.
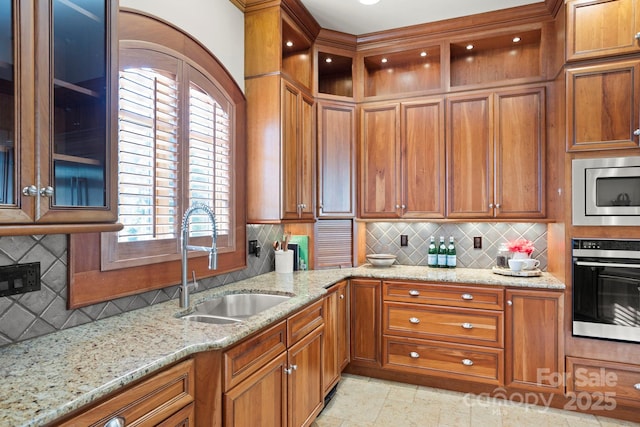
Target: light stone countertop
x=47 y=377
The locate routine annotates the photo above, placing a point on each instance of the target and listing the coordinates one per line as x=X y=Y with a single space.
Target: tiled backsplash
x=384 y=237
x=41 y=312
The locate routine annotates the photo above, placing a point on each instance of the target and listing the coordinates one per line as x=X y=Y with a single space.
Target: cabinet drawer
x=442 y=359
x=305 y=321
x=620 y=381
x=247 y=357
x=459 y=325
x=148 y=403
x=449 y=295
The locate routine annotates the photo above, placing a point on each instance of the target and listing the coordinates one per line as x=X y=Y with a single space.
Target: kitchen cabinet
x=365 y=322
x=336 y=336
x=496 y=161
x=336 y=159
x=593 y=93
x=534 y=340
x=57 y=158
x=403 y=158
x=448 y=331
x=164 y=399
x=597 y=28
x=275 y=378
x=609 y=383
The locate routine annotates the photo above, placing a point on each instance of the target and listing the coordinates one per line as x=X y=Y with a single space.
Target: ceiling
x=352 y=17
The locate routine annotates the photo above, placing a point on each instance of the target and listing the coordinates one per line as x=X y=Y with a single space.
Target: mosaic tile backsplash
x=38 y=313
x=384 y=237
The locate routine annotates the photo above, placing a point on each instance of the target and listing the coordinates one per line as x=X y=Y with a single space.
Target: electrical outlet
x=404 y=240
x=477 y=242
x=19 y=278
x=254 y=249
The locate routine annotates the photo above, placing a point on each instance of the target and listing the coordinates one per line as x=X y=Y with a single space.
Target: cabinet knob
x=414 y=355
x=467 y=326
x=467 y=362
x=115 y=422
x=341 y=296
x=637 y=386
x=46 y=191
x=636 y=132
x=294 y=367
x=490 y=205
x=414 y=320
x=466 y=297
x=397 y=206
x=291 y=369
x=414 y=292
x=637 y=36
x=403 y=206
x=30 y=191
x=498 y=205
x=509 y=302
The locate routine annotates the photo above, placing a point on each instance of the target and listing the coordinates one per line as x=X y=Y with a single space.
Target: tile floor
x=369 y=402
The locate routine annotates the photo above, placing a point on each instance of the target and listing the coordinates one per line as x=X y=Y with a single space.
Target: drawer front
x=458 y=325
x=305 y=321
x=148 y=403
x=447 y=295
x=460 y=361
x=247 y=357
x=620 y=381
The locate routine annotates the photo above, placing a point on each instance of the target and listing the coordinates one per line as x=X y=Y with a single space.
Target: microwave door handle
x=606 y=264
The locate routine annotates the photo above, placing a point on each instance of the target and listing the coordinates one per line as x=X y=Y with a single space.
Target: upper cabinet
x=597 y=28
x=58 y=139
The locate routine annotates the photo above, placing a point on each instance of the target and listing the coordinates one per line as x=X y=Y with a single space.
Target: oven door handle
x=606 y=264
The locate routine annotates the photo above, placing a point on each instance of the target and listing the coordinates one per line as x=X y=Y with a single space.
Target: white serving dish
x=381 y=260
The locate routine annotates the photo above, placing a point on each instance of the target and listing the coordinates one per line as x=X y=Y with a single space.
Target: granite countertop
x=47 y=377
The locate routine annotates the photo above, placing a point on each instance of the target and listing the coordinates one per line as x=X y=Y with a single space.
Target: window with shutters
x=175 y=148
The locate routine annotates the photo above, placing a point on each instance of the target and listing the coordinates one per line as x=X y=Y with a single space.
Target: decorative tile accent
x=384 y=237
x=38 y=313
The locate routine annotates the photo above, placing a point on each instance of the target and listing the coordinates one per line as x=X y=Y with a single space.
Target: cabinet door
x=365 y=322
x=603 y=106
x=290 y=151
x=306 y=391
x=336 y=160
x=534 y=340
x=598 y=28
x=519 y=160
x=260 y=400
x=343 y=326
x=470 y=156
x=336 y=330
x=423 y=162
x=183 y=418
x=78 y=121
x=380 y=136
x=307 y=158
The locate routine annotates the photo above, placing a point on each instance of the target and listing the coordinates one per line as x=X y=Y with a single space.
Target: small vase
x=520 y=255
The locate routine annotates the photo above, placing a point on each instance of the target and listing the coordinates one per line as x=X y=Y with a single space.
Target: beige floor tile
x=610 y=422
x=408 y=414
x=452 y=418
x=485 y=415
x=327 y=421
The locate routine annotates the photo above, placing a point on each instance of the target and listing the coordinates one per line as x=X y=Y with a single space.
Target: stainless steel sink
x=233 y=307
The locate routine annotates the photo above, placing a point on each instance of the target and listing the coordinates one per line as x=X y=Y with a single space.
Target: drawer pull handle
x=414 y=293
x=414 y=320
x=115 y=422
x=414 y=355
x=467 y=326
x=467 y=297
x=637 y=386
x=467 y=362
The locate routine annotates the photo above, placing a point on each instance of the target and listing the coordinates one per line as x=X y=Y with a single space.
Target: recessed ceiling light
x=423 y=54
x=383 y=60
x=289 y=43
x=516 y=39
x=369 y=2
x=469 y=46
x=328 y=60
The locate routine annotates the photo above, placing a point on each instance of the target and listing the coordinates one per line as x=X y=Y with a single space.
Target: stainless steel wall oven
x=606 y=289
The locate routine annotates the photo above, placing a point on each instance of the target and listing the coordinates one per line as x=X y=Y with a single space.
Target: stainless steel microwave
x=606 y=191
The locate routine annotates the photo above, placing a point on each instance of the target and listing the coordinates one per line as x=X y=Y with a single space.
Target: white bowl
x=381 y=260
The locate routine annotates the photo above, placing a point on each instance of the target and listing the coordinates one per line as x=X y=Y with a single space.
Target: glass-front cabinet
x=57 y=123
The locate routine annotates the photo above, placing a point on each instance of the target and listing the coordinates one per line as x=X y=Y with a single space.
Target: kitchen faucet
x=213 y=250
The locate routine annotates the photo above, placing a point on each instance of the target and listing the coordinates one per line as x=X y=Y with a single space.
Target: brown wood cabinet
x=534 y=339
x=403 y=159
x=305 y=394
x=609 y=383
x=365 y=322
x=597 y=28
x=60 y=147
x=336 y=160
x=161 y=399
x=336 y=334
x=495 y=149
x=603 y=106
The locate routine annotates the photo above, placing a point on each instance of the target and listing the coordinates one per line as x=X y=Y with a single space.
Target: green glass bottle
x=451 y=254
x=442 y=254
x=432 y=257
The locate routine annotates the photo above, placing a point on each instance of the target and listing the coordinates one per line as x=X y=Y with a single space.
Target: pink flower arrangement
x=521 y=245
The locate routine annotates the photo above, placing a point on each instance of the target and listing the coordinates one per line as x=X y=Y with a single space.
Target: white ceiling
x=352 y=17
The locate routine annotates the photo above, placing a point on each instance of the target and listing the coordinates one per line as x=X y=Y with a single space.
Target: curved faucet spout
x=213 y=250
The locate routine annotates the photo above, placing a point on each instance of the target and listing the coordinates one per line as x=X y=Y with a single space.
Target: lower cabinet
x=365 y=322
x=275 y=378
x=163 y=399
x=607 y=383
x=336 y=334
